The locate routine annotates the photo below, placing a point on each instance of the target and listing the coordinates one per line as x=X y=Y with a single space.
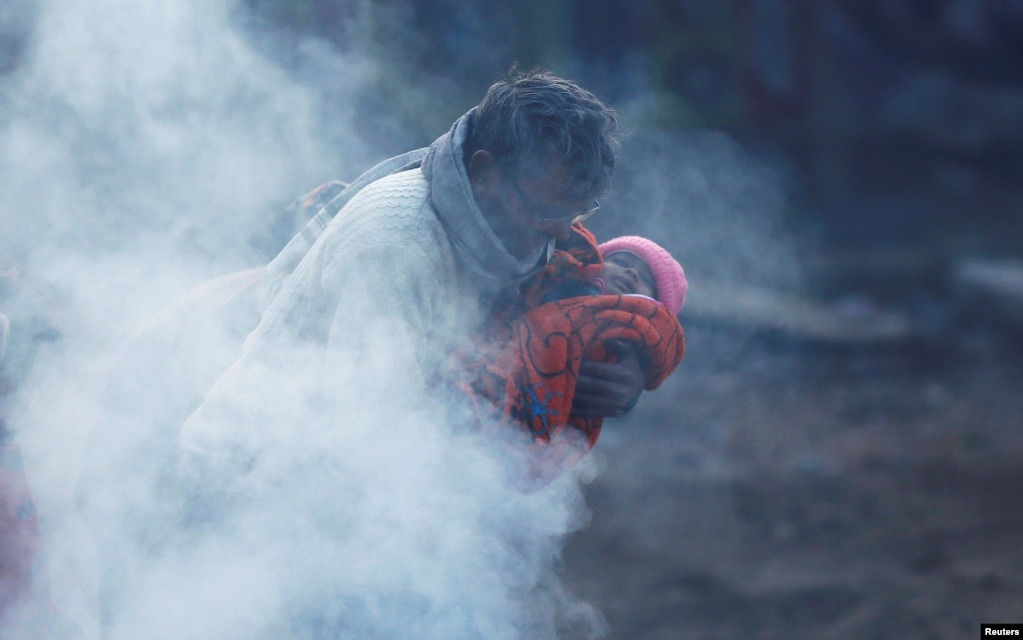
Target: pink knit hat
x=668 y=273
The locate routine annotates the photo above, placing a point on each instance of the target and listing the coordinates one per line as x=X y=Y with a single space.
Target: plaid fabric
x=270 y=239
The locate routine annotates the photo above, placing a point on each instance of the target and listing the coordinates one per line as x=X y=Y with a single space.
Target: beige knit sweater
x=398 y=276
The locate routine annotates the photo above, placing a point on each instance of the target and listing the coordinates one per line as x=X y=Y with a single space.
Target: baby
x=591 y=302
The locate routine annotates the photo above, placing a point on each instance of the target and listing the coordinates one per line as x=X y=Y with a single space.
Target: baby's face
x=624 y=272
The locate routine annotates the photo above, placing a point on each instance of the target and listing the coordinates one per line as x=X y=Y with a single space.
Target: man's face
x=526 y=210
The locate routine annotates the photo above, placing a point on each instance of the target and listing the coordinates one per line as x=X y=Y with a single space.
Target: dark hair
x=531 y=117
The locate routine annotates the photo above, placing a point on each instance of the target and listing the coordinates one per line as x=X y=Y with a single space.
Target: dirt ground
x=812 y=491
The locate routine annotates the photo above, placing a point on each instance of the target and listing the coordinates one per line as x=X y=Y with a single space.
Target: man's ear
x=483 y=169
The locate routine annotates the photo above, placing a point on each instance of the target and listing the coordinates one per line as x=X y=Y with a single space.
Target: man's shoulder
x=393 y=204
x=403 y=190
x=390 y=215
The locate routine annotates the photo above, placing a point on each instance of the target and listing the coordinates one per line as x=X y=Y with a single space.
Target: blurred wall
x=861 y=101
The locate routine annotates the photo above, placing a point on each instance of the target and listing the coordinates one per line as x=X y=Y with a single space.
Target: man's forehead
x=551 y=171
x=557 y=177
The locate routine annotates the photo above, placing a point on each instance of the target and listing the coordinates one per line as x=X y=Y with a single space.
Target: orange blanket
x=522 y=371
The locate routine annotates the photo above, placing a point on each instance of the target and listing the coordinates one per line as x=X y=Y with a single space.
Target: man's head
x=541 y=151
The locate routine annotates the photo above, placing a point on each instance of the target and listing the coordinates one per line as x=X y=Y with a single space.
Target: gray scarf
x=478 y=249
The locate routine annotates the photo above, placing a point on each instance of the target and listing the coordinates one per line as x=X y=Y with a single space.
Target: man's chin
x=522 y=245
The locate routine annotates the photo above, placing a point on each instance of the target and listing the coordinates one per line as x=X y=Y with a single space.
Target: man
x=409 y=266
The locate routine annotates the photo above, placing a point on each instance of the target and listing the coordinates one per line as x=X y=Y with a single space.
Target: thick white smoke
x=140 y=145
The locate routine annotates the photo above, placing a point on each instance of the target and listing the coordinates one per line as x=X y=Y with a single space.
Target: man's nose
x=560 y=230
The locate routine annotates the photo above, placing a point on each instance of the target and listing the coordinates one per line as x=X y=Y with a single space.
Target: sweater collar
x=477 y=247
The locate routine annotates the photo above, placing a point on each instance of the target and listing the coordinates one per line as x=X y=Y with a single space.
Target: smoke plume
x=141 y=145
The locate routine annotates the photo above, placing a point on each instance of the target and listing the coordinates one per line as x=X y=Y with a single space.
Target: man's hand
x=608 y=390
